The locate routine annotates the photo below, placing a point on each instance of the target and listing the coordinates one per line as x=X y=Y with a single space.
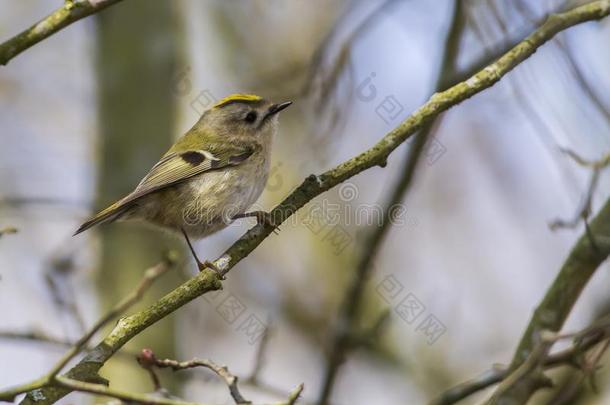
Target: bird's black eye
x=251 y=117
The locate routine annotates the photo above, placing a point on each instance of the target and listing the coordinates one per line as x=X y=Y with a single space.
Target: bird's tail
x=107 y=215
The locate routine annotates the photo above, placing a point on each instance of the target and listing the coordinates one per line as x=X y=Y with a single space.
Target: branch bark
x=49 y=379
x=315 y=185
x=69 y=12
x=591 y=250
x=574 y=356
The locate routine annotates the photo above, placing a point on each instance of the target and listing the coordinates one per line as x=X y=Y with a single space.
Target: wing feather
x=173 y=168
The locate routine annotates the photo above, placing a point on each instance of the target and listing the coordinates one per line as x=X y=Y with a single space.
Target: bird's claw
x=210 y=265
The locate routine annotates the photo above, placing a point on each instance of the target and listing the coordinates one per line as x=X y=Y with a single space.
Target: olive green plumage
x=211 y=175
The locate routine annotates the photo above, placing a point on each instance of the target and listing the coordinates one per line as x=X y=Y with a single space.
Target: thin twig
x=582 y=262
x=526 y=11
x=530 y=373
x=39 y=337
x=261 y=351
x=294 y=396
x=529 y=110
x=584 y=341
x=323 y=78
x=148 y=399
x=149 y=361
x=529 y=377
x=455 y=394
x=61 y=289
x=150 y=276
x=35 y=336
x=222 y=371
x=579 y=76
x=130 y=397
x=585 y=209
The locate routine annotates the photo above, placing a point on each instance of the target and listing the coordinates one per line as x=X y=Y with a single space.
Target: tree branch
x=130 y=397
x=586 y=256
x=148 y=360
x=584 y=341
x=315 y=185
x=260 y=355
x=584 y=211
x=150 y=276
x=49 y=379
x=343 y=339
x=69 y=12
x=529 y=376
x=35 y=336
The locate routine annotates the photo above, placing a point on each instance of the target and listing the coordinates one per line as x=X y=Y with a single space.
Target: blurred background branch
x=49 y=379
x=346 y=330
x=587 y=255
x=585 y=341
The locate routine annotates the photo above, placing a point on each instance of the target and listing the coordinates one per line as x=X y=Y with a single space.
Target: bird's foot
x=210 y=265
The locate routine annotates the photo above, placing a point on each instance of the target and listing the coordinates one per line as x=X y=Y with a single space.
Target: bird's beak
x=276 y=108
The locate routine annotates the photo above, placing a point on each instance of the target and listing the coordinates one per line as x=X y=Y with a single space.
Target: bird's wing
x=174 y=168
x=179 y=166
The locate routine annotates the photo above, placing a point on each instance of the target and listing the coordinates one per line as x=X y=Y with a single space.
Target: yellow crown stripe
x=236 y=98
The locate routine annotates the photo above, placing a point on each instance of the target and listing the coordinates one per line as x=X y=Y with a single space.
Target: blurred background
x=454 y=270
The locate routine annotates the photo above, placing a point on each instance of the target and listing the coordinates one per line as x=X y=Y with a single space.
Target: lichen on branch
x=315 y=185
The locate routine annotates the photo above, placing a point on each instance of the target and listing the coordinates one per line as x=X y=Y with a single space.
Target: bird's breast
x=219 y=196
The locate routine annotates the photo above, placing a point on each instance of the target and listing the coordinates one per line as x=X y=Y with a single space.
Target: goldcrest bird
x=210 y=176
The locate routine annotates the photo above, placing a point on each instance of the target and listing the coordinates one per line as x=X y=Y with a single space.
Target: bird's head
x=240 y=116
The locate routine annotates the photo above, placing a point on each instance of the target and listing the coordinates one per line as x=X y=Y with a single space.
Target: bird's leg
x=201 y=265
x=262 y=217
